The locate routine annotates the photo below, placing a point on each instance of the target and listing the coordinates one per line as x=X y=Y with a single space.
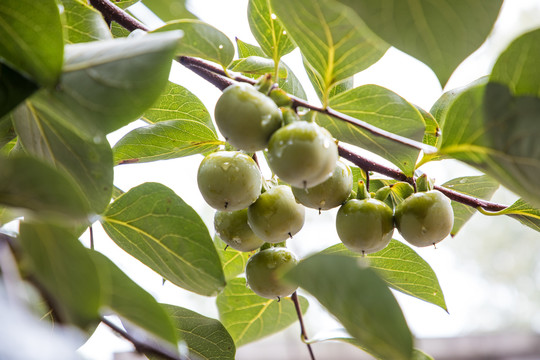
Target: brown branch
x=294 y=298
x=112 y=12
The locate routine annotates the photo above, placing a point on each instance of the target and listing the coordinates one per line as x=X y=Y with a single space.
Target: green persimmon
x=302 y=154
x=365 y=226
x=424 y=218
x=229 y=180
x=263 y=271
x=329 y=194
x=246 y=117
x=232 y=227
x=276 y=215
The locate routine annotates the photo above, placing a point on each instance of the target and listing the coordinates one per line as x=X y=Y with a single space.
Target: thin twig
x=91 y=237
x=112 y=12
x=294 y=298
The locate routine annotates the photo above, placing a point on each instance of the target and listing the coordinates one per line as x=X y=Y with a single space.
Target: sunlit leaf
x=482 y=187
x=524 y=212
x=31 y=39
x=169 y=10
x=124 y=3
x=361 y=301
x=233 y=261
x=157 y=227
x=249 y=317
x=83 y=23
x=403 y=270
x=334 y=41
x=256 y=65
x=439 y=33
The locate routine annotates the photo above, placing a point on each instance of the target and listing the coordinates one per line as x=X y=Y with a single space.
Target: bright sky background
x=468 y=295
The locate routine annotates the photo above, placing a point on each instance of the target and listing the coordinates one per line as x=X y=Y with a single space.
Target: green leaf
x=7 y=131
x=482 y=187
x=88 y=161
x=291 y=84
x=524 y=212
x=517 y=67
x=118 y=31
x=334 y=41
x=256 y=65
x=361 y=301
x=402 y=269
x=83 y=23
x=154 y=225
x=319 y=87
x=132 y=303
x=107 y=84
x=14 y=88
x=386 y=110
x=268 y=30
x=202 y=40
x=206 y=338
x=29 y=183
x=168 y=10
x=249 y=317
x=439 y=33
x=486 y=127
x=433 y=132
x=62 y=266
x=124 y=3
x=233 y=261
x=31 y=39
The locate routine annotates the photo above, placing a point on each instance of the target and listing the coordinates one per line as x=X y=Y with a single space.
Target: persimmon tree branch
x=294 y=298
x=222 y=80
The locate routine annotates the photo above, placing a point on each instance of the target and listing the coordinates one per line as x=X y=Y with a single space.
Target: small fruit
x=424 y=218
x=330 y=193
x=276 y=215
x=365 y=226
x=246 y=117
x=229 y=180
x=302 y=154
x=264 y=269
x=233 y=229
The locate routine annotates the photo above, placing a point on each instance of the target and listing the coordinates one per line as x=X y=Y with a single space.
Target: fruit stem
x=363 y=192
x=303 y=334
x=423 y=183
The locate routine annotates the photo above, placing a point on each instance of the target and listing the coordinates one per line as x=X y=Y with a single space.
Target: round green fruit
x=232 y=227
x=276 y=216
x=263 y=271
x=365 y=226
x=246 y=117
x=424 y=218
x=229 y=180
x=302 y=154
x=333 y=192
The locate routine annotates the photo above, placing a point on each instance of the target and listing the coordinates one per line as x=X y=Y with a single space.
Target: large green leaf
x=249 y=317
x=14 y=88
x=233 y=261
x=490 y=129
x=440 y=33
x=31 y=39
x=290 y=84
x=83 y=23
x=107 y=84
x=517 y=67
x=524 y=212
x=386 y=110
x=319 y=86
x=61 y=265
x=168 y=10
x=88 y=161
x=29 y=183
x=403 y=270
x=482 y=187
x=202 y=40
x=206 y=338
x=334 y=41
x=268 y=30
x=157 y=227
x=132 y=303
x=361 y=301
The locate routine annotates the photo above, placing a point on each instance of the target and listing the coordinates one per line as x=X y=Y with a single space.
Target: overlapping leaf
x=202 y=40
x=31 y=39
x=482 y=187
x=372 y=317
x=157 y=227
x=83 y=23
x=334 y=41
x=524 y=212
x=233 y=261
x=206 y=338
x=249 y=317
x=65 y=270
x=386 y=110
x=14 y=88
x=403 y=270
x=255 y=65
x=439 y=33
x=88 y=161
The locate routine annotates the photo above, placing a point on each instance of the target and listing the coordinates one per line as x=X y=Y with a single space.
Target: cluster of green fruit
x=255 y=214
